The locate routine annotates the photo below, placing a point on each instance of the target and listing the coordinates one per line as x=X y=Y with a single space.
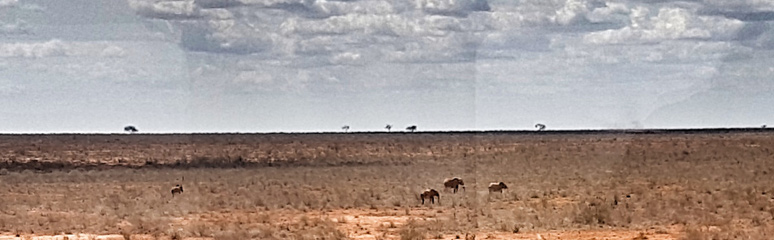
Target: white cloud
x=8 y=3
x=19 y=27
x=666 y=52
x=572 y=12
x=612 y=12
x=50 y=48
x=33 y=7
x=26 y=6
x=165 y=9
x=350 y=58
x=314 y=32
x=8 y=90
x=668 y=24
x=256 y=77
x=390 y=24
x=98 y=70
x=113 y=51
x=333 y=37
x=553 y=58
x=250 y=81
x=59 y=48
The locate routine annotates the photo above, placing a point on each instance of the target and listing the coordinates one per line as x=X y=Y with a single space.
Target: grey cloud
x=739 y=5
x=766 y=39
x=752 y=31
x=303 y=8
x=737 y=56
x=236 y=38
x=748 y=16
x=757 y=35
x=458 y=8
x=218 y=3
x=528 y=40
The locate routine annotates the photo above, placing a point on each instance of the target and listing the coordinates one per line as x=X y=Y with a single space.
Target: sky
x=164 y=66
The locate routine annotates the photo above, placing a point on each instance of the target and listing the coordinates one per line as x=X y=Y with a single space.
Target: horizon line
x=547 y=131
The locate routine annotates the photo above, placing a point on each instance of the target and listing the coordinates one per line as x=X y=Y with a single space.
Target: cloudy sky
x=316 y=65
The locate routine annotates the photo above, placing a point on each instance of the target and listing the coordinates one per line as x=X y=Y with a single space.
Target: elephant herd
x=431 y=194
x=454 y=184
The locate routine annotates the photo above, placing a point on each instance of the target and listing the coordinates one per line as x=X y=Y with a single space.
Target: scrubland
x=366 y=186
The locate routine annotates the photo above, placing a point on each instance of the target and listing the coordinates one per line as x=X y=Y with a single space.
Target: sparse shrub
x=411 y=231
x=233 y=235
x=126 y=235
x=199 y=229
x=391 y=224
x=175 y=235
x=593 y=213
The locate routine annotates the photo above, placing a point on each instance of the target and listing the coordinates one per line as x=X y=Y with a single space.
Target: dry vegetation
x=340 y=186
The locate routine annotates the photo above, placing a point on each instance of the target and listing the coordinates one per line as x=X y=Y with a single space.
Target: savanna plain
x=710 y=185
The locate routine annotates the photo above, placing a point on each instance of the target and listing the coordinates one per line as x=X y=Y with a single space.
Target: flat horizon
x=568 y=130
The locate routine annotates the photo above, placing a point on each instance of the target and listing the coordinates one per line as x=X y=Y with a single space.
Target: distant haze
x=316 y=65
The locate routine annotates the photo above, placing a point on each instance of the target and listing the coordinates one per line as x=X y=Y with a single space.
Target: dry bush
x=318 y=229
x=412 y=231
x=593 y=213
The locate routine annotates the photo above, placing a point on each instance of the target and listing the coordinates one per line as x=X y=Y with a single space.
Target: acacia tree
x=345 y=128
x=388 y=127
x=130 y=129
x=412 y=128
x=540 y=126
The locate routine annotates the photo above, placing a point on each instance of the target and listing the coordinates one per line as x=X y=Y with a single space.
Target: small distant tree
x=345 y=128
x=388 y=127
x=130 y=129
x=540 y=126
x=411 y=128
x=763 y=126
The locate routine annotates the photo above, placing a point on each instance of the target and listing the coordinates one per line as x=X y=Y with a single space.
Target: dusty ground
x=385 y=224
x=365 y=186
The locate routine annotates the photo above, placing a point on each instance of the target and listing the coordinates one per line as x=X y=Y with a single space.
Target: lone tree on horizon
x=345 y=128
x=411 y=128
x=388 y=127
x=130 y=129
x=540 y=126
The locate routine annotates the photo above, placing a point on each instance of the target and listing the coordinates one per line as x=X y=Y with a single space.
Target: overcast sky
x=316 y=65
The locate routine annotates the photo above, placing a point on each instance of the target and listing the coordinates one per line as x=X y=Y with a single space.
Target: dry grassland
x=366 y=186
